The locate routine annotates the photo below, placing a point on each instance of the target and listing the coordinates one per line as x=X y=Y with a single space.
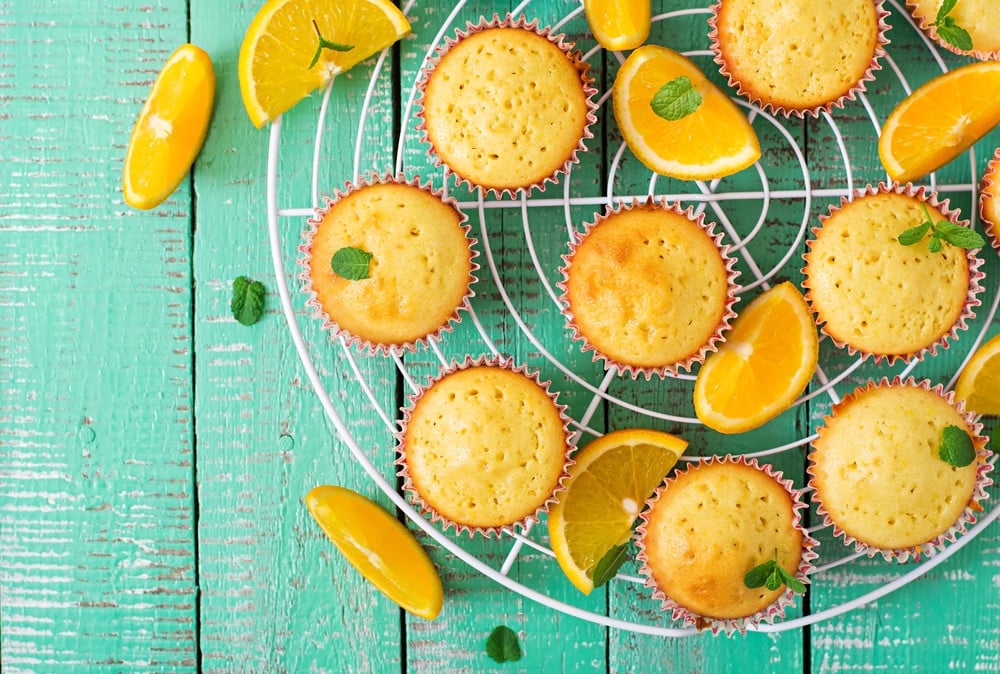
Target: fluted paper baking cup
x=989 y=200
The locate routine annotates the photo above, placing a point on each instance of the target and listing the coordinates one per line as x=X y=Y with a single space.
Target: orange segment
x=618 y=24
x=379 y=547
x=940 y=120
x=715 y=140
x=281 y=41
x=170 y=129
x=979 y=383
x=766 y=361
x=611 y=479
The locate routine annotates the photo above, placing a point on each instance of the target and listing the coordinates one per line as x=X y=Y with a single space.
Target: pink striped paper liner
x=967 y=518
x=771 y=612
x=422 y=503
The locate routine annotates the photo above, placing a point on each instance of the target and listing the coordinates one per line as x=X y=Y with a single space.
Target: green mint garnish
x=326 y=44
x=351 y=263
x=502 y=645
x=609 y=564
x=940 y=231
x=948 y=30
x=247 y=304
x=956 y=447
x=676 y=99
x=772 y=575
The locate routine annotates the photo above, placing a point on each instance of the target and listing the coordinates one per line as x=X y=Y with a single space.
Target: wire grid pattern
x=705 y=197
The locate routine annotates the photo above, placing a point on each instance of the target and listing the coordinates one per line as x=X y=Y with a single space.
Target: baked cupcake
x=989 y=200
x=879 y=475
x=387 y=263
x=484 y=447
x=649 y=288
x=507 y=106
x=711 y=524
x=876 y=296
x=979 y=18
x=798 y=56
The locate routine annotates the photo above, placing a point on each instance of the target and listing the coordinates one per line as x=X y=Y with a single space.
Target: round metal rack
x=703 y=194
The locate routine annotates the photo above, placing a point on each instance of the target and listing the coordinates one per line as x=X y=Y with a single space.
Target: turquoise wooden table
x=154 y=453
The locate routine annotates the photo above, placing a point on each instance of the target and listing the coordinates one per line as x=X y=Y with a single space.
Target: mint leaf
x=935 y=245
x=326 y=44
x=914 y=234
x=956 y=447
x=759 y=574
x=502 y=645
x=793 y=583
x=676 y=99
x=609 y=564
x=774 y=581
x=964 y=238
x=945 y=9
x=944 y=226
x=351 y=263
x=247 y=304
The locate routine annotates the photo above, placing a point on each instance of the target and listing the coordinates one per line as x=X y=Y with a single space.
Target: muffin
x=484 y=447
x=874 y=295
x=649 y=288
x=979 y=18
x=419 y=274
x=877 y=474
x=798 y=56
x=506 y=106
x=989 y=200
x=711 y=524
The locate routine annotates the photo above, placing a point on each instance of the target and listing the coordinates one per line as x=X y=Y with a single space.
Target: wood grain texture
x=97 y=564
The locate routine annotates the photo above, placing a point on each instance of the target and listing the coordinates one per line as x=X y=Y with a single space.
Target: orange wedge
x=609 y=483
x=170 y=129
x=979 y=383
x=765 y=363
x=940 y=121
x=279 y=46
x=379 y=547
x=618 y=24
x=715 y=140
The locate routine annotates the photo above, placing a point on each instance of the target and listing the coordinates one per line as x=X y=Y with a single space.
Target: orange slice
x=170 y=129
x=940 y=121
x=979 y=383
x=765 y=363
x=379 y=547
x=611 y=479
x=618 y=24
x=715 y=140
x=275 y=57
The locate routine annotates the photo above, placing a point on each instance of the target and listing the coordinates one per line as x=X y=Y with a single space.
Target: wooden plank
x=276 y=596
x=97 y=566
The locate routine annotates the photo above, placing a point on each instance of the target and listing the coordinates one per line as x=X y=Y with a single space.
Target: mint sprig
x=948 y=30
x=351 y=263
x=956 y=447
x=247 y=303
x=326 y=44
x=676 y=99
x=941 y=231
x=609 y=564
x=772 y=575
x=502 y=645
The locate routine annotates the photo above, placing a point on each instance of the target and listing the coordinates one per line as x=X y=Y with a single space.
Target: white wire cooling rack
x=705 y=195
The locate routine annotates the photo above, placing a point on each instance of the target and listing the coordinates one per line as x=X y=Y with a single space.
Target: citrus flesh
x=170 y=129
x=275 y=57
x=940 y=120
x=380 y=547
x=609 y=483
x=618 y=24
x=979 y=383
x=714 y=141
x=765 y=363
